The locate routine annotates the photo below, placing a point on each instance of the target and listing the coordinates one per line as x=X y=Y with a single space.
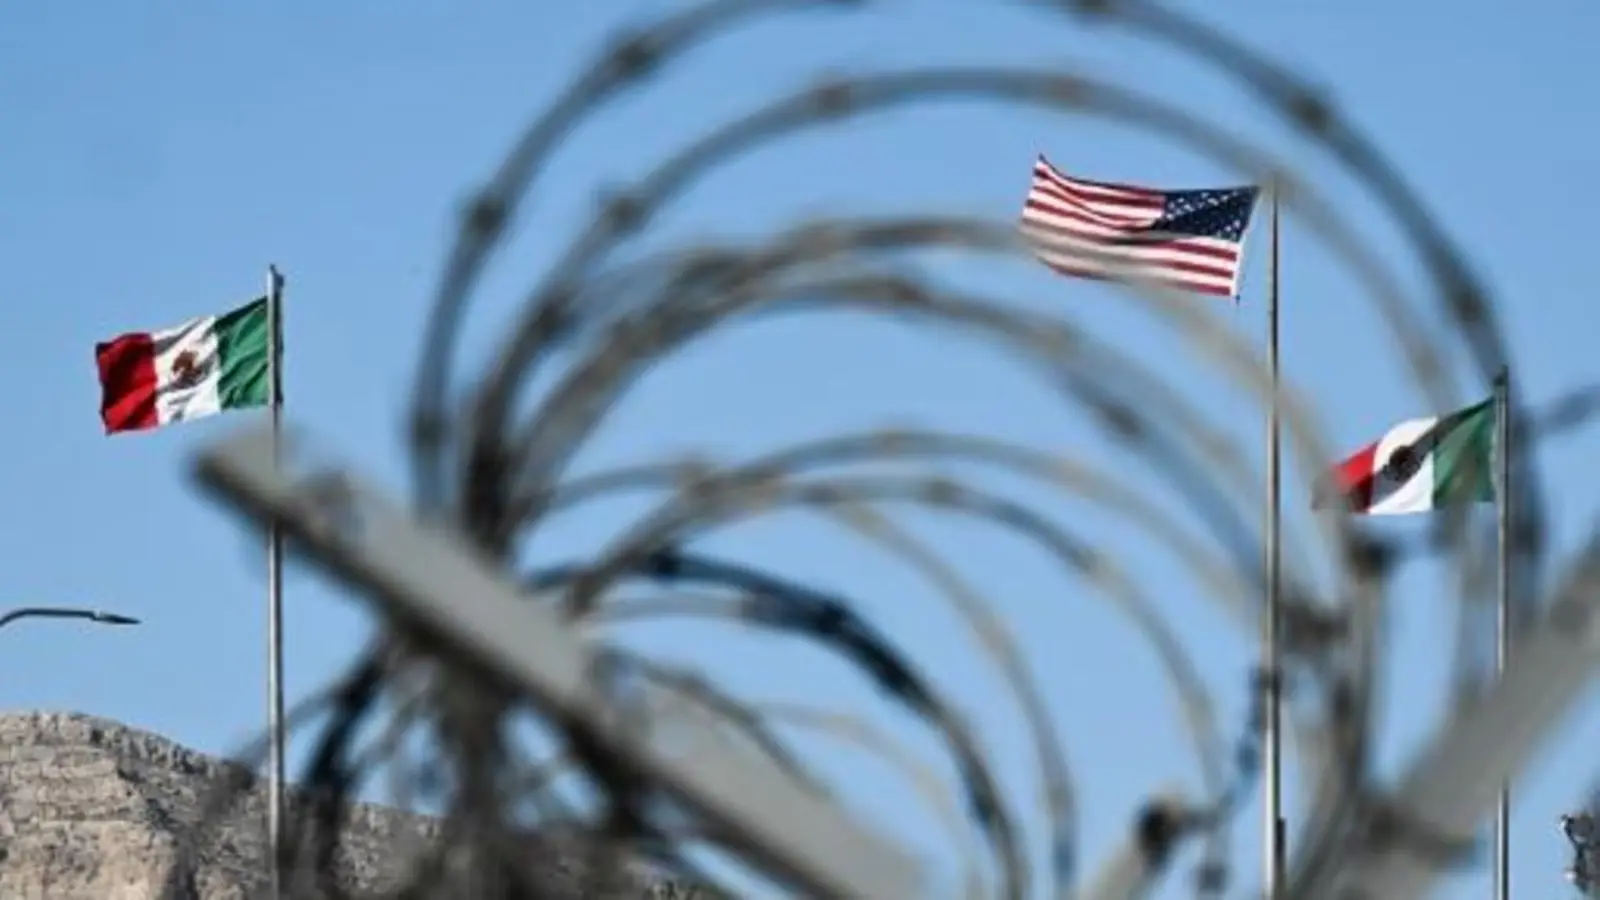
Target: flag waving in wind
x=1418 y=466
x=188 y=371
x=1192 y=240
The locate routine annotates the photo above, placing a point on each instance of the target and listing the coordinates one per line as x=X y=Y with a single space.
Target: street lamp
x=65 y=612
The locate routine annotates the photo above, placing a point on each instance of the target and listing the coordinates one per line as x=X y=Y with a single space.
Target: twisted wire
x=499 y=469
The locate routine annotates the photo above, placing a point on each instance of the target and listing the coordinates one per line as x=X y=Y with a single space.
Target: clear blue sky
x=154 y=159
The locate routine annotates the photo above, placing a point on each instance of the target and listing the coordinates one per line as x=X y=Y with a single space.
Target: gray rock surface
x=94 y=810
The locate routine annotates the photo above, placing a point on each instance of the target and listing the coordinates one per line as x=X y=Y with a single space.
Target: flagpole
x=1502 y=493
x=1273 y=856
x=275 y=740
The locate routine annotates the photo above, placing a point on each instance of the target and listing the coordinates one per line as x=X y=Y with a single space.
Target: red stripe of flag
x=1094 y=274
x=1111 y=192
x=1176 y=258
x=127 y=382
x=1353 y=480
x=1197 y=246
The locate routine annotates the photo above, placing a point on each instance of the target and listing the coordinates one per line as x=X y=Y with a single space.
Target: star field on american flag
x=1223 y=213
x=1188 y=239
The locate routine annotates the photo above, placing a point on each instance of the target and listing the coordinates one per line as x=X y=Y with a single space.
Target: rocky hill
x=94 y=810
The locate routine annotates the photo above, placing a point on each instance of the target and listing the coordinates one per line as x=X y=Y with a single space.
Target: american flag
x=1192 y=240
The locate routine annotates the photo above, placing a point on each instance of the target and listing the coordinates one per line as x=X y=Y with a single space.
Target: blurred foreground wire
x=452 y=735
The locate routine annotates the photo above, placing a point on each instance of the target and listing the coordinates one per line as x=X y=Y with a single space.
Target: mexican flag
x=1419 y=465
x=189 y=371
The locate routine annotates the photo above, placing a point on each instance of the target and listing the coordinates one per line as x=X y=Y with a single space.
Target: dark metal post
x=1502 y=496
x=1273 y=851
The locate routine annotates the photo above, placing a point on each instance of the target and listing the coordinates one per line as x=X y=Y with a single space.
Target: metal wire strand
x=496 y=462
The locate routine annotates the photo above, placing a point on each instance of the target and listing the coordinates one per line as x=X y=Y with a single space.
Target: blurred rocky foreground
x=94 y=810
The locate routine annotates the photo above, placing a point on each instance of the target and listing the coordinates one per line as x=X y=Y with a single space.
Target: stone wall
x=94 y=810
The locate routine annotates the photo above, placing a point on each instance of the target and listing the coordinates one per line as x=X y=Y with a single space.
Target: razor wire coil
x=487 y=466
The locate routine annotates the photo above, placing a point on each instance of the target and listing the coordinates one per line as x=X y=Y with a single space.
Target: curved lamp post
x=65 y=612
